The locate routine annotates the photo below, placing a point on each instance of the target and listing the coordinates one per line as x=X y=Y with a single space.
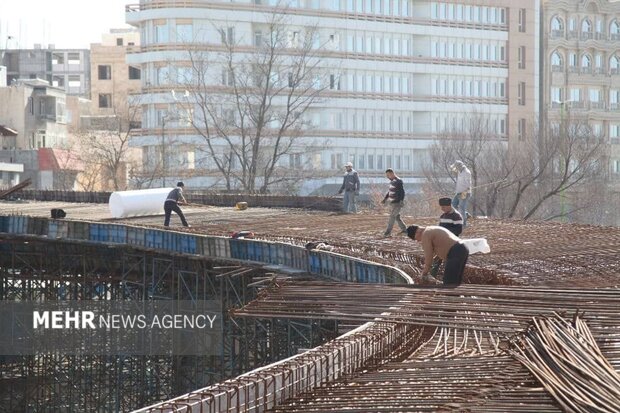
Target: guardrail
x=324 y=263
x=262 y=388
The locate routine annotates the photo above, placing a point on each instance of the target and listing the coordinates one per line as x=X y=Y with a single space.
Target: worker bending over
x=438 y=241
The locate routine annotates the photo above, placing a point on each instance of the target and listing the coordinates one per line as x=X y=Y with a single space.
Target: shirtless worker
x=438 y=241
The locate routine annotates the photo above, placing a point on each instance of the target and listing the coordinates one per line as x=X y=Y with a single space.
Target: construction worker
x=351 y=188
x=438 y=241
x=451 y=220
x=174 y=199
x=462 y=189
x=395 y=199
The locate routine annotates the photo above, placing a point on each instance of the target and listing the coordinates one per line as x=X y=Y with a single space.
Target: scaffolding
x=37 y=269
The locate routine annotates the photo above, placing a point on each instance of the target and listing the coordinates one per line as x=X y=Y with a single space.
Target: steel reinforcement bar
x=265 y=387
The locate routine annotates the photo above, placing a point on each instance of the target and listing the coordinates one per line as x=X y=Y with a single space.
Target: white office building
x=400 y=73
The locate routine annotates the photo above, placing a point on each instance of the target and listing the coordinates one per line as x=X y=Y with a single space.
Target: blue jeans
x=348 y=202
x=461 y=205
x=395 y=217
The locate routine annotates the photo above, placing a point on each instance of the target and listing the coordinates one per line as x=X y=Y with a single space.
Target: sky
x=65 y=23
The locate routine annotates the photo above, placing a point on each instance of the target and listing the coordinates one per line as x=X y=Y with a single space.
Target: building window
x=614 y=65
x=105 y=72
x=105 y=100
x=228 y=35
x=161 y=33
x=586 y=29
x=294 y=160
x=58 y=58
x=334 y=82
x=614 y=30
x=521 y=57
x=557 y=65
x=119 y=41
x=557 y=27
x=184 y=33
x=521 y=93
x=521 y=129
x=522 y=20
x=586 y=63
x=134 y=73
x=73 y=58
x=75 y=81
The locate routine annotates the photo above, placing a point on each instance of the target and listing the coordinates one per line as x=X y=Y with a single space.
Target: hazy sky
x=64 y=23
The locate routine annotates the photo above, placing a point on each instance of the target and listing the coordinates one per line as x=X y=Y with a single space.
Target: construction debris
x=15 y=188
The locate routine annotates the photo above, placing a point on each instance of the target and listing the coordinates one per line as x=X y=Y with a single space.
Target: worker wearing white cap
x=351 y=188
x=462 y=190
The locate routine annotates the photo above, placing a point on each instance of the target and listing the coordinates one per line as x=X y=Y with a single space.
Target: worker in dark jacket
x=174 y=199
x=451 y=220
x=395 y=199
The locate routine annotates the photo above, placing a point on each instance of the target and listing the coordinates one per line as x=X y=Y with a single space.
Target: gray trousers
x=395 y=217
x=348 y=202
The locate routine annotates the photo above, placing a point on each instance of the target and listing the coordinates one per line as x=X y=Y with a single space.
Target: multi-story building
x=35 y=128
x=68 y=69
x=581 y=67
x=36 y=111
x=112 y=79
x=404 y=72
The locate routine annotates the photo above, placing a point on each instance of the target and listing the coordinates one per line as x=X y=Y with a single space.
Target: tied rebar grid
x=522 y=252
x=499 y=309
x=464 y=366
x=527 y=253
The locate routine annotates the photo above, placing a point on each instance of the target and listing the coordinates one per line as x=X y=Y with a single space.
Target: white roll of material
x=475 y=245
x=124 y=204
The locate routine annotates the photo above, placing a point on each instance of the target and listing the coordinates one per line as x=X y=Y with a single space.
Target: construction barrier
x=288 y=257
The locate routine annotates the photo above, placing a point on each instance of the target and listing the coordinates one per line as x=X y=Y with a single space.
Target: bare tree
x=103 y=145
x=255 y=120
x=545 y=175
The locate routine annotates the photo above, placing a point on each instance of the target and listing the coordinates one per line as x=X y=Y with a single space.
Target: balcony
x=586 y=36
x=614 y=106
x=557 y=34
x=573 y=35
x=557 y=68
x=597 y=105
x=585 y=70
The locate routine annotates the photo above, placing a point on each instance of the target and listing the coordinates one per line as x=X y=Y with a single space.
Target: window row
x=398 y=8
x=369 y=121
x=379 y=160
x=585 y=62
x=385 y=45
x=104 y=72
x=576 y=97
x=460 y=86
x=378 y=83
x=587 y=28
x=452 y=49
x=463 y=123
x=467 y=13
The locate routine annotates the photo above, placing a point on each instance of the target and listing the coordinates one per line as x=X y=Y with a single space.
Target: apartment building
x=36 y=111
x=581 y=67
x=33 y=121
x=403 y=73
x=112 y=79
x=68 y=69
